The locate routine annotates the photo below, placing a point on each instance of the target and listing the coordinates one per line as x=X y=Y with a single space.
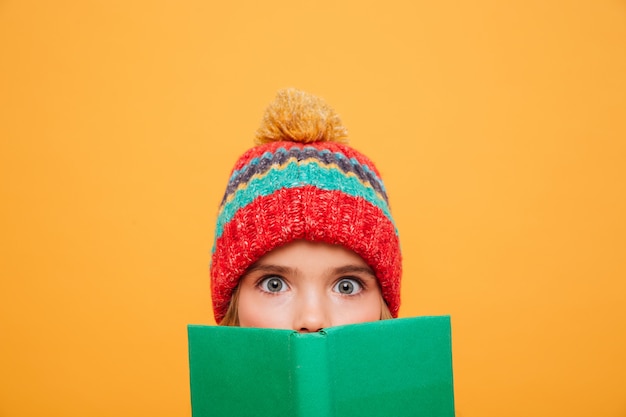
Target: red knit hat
x=302 y=181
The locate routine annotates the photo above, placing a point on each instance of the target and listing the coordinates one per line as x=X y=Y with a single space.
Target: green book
x=399 y=368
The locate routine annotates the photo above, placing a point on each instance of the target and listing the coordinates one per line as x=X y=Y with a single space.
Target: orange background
x=499 y=128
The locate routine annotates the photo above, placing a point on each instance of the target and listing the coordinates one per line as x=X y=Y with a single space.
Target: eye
x=273 y=284
x=348 y=286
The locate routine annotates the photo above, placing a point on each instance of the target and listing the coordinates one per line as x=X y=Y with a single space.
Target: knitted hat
x=302 y=181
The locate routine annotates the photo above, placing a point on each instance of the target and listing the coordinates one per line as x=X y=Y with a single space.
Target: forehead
x=306 y=252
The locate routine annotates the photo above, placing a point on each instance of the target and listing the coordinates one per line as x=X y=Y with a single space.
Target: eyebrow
x=284 y=270
x=269 y=268
x=354 y=269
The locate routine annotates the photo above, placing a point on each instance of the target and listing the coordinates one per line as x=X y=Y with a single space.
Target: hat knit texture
x=302 y=181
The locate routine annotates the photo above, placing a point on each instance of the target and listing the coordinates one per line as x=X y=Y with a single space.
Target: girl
x=304 y=237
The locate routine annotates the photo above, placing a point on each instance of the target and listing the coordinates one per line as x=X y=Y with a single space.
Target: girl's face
x=306 y=286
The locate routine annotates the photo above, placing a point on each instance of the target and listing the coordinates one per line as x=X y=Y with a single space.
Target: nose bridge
x=311 y=312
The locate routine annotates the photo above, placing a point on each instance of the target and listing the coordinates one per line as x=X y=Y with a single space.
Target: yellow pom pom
x=297 y=116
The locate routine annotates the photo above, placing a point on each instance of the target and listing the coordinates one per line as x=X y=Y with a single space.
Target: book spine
x=312 y=394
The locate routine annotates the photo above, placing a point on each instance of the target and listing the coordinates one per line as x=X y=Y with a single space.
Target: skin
x=306 y=286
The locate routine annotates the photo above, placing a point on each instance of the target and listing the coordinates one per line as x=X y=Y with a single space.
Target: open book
x=389 y=368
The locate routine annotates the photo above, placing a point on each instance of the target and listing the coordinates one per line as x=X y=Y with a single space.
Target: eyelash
x=359 y=281
x=264 y=281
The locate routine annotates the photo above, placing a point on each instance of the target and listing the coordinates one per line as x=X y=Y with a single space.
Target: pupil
x=345 y=287
x=275 y=284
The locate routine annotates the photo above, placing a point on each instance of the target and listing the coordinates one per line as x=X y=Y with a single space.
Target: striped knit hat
x=302 y=181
